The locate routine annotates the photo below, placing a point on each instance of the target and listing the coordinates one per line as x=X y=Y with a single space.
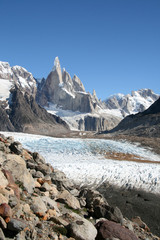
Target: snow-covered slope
x=5 y=86
x=96 y=121
x=19 y=76
x=122 y=105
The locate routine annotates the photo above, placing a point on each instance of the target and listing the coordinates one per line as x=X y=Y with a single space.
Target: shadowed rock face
x=25 y=115
x=146 y=123
x=5 y=123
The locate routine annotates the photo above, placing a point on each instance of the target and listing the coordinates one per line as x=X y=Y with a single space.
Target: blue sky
x=111 y=45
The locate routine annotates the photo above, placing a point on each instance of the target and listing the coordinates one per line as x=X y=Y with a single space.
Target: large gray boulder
x=17 y=166
x=81 y=229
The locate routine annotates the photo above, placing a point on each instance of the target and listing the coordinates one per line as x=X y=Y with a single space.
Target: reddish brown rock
x=109 y=229
x=5 y=211
x=11 y=183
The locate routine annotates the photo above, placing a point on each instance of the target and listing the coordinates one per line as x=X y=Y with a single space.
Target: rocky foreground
x=39 y=202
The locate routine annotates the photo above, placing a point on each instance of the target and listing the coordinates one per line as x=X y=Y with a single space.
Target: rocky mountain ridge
x=67 y=93
x=39 y=202
x=146 y=123
x=18 y=76
x=25 y=115
x=81 y=110
x=137 y=101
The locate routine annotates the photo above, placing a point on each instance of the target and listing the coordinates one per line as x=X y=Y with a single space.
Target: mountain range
x=59 y=103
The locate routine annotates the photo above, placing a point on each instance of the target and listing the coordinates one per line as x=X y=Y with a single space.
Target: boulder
x=4 y=181
x=16 y=147
x=81 y=229
x=11 y=183
x=44 y=169
x=17 y=166
x=38 y=206
x=5 y=210
x=60 y=180
x=108 y=229
x=16 y=225
x=110 y=213
x=50 y=203
x=70 y=200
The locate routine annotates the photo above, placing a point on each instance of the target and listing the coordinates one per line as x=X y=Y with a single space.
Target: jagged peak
x=94 y=93
x=56 y=64
x=19 y=68
x=76 y=79
x=4 y=63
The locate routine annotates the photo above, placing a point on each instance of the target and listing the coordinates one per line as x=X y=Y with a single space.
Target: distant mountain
x=64 y=97
x=16 y=76
x=146 y=123
x=66 y=92
x=138 y=101
x=18 y=108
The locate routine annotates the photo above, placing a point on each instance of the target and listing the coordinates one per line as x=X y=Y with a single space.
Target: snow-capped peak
x=132 y=103
x=5 y=70
x=56 y=64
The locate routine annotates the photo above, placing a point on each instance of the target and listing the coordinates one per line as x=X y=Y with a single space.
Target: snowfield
x=82 y=161
x=5 y=86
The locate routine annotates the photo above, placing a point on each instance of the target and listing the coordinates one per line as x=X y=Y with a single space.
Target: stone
x=2 y=157
x=44 y=169
x=16 y=147
x=53 y=191
x=38 y=206
x=50 y=203
x=74 y=192
x=92 y=197
x=7 y=192
x=58 y=220
x=26 y=209
x=108 y=229
x=13 y=201
x=3 y=199
x=45 y=187
x=26 y=155
x=60 y=180
x=4 y=181
x=81 y=229
x=3 y=224
x=11 y=183
x=17 y=166
x=70 y=200
x=5 y=210
x=16 y=225
x=2 y=237
x=50 y=213
x=110 y=213
x=38 y=174
x=31 y=165
x=38 y=158
x=37 y=184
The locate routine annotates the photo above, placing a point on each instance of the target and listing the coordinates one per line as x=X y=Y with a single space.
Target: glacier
x=83 y=161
